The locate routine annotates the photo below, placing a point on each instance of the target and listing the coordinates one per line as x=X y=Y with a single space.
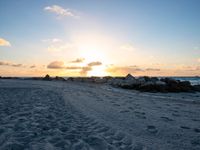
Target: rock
x=107 y=78
x=59 y=78
x=177 y=86
x=153 y=84
x=146 y=78
x=141 y=80
x=185 y=86
x=150 y=86
x=116 y=82
x=47 y=78
x=129 y=77
x=70 y=79
x=169 y=81
x=154 y=79
x=196 y=88
x=100 y=80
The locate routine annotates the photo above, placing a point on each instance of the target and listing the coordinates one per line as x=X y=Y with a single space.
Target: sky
x=100 y=37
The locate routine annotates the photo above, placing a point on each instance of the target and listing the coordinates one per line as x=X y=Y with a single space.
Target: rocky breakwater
x=154 y=84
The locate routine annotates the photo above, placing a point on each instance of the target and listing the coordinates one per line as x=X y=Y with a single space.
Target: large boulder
x=47 y=78
x=151 y=86
x=154 y=79
x=70 y=79
x=196 y=88
x=141 y=80
x=100 y=80
x=116 y=82
x=59 y=78
x=129 y=77
x=177 y=86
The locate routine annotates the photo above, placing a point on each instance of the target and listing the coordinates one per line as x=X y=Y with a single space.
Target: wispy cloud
x=6 y=63
x=61 y=47
x=54 y=40
x=152 y=69
x=4 y=42
x=33 y=66
x=96 y=63
x=130 y=69
x=78 y=60
x=123 y=69
x=127 y=47
x=56 y=65
x=83 y=70
x=60 y=11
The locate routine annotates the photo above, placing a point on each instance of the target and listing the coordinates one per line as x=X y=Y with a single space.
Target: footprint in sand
x=197 y=130
x=140 y=115
x=196 y=141
x=116 y=105
x=198 y=120
x=184 y=127
x=176 y=115
x=124 y=111
x=152 y=129
x=166 y=119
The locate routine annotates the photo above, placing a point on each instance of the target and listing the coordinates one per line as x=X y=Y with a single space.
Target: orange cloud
x=4 y=42
x=83 y=70
x=5 y=63
x=95 y=63
x=56 y=65
x=78 y=60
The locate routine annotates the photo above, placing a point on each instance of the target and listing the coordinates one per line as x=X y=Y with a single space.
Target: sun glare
x=98 y=71
x=92 y=53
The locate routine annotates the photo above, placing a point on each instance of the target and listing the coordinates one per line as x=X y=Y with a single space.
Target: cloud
x=4 y=42
x=85 y=70
x=152 y=69
x=17 y=65
x=96 y=63
x=33 y=66
x=5 y=63
x=124 y=69
x=73 y=67
x=61 y=47
x=60 y=11
x=78 y=60
x=56 y=65
x=198 y=60
x=127 y=47
x=54 y=40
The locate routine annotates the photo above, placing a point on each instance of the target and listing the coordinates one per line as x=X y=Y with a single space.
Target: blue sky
x=158 y=31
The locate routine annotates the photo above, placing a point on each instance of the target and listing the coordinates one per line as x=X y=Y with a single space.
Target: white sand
x=66 y=115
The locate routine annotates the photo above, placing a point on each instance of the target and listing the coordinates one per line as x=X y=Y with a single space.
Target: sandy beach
x=81 y=116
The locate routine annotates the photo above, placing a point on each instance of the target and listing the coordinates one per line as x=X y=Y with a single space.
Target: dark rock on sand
x=47 y=78
x=153 y=84
x=177 y=86
x=59 y=78
x=196 y=88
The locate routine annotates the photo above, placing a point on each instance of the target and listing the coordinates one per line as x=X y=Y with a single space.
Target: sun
x=98 y=71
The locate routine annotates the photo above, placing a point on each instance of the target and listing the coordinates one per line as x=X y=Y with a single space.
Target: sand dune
x=80 y=116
